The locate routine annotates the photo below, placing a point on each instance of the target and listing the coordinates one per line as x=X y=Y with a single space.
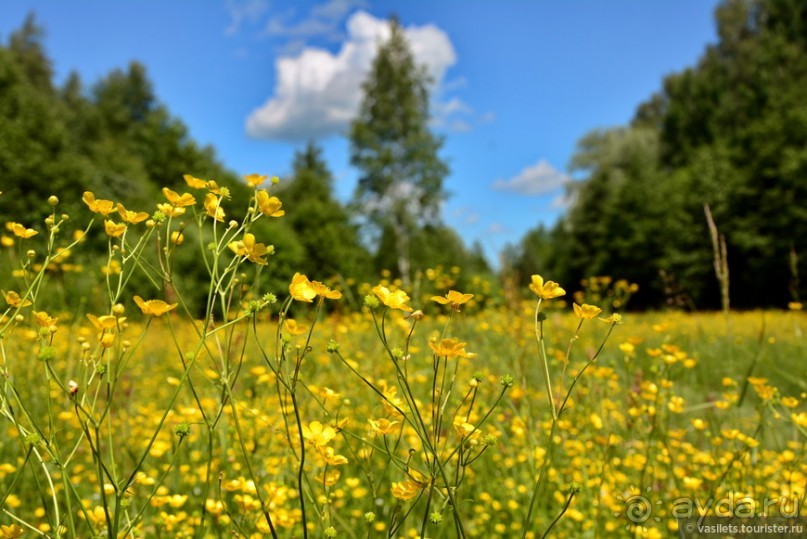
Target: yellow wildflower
x=114 y=229
x=449 y=348
x=254 y=180
x=132 y=217
x=301 y=289
x=177 y=200
x=249 y=248
x=99 y=206
x=106 y=339
x=790 y=402
x=293 y=328
x=10 y=531
x=324 y=291
x=170 y=211
x=213 y=207
x=318 y=434
x=615 y=319
x=383 y=426
x=269 y=206
x=586 y=311
x=214 y=188
x=21 y=232
x=177 y=237
x=546 y=290
x=193 y=182
x=393 y=300
x=153 y=307
x=105 y=322
x=331 y=458
x=44 y=320
x=14 y=300
x=799 y=419
x=405 y=490
x=453 y=299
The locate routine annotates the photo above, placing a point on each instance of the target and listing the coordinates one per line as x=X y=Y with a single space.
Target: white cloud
x=563 y=201
x=336 y=10
x=276 y=27
x=537 y=179
x=317 y=92
x=451 y=115
x=244 y=11
x=465 y=215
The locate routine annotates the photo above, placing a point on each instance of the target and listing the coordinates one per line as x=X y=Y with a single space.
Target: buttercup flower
x=293 y=328
x=405 y=490
x=318 y=434
x=44 y=320
x=153 y=307
x=170 y=211
x=177 y=200
x=105 y=322
x=254 y=180
x=11 y=531
x=393 y=300
x=22 y=232
x=269 y=206
x=615 y=318
x=114 y=229
x=547 y=290
x=14 y=300
x=453 y=299
x=100 y=206
x=249 y=248
x=133 y=217
x=193 y=182
x=383 y=426
x=301 y=289
x=324 y=291
x=450 y=348
x=213 y=207
x=330 y=456
x=586 y=311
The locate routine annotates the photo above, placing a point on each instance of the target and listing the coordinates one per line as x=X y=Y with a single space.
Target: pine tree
x=331 y=243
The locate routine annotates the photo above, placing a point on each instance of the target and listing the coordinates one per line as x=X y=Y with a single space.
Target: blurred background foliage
x=730 y=132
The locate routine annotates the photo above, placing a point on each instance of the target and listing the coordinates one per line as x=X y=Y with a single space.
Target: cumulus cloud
x=317 y=92
x=537 y=179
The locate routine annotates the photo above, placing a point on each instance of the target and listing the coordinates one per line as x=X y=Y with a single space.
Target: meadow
x=408 y=412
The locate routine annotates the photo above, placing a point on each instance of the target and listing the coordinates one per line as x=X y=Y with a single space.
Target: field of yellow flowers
x=284 y=413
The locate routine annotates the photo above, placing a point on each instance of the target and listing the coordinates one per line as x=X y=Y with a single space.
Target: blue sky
x=517 y=83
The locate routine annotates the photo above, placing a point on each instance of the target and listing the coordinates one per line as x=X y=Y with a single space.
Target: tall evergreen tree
x=401 y=183
x=331 y=243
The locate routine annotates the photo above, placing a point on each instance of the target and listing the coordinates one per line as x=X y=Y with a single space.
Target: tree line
x=730 y=132
x=115 y=139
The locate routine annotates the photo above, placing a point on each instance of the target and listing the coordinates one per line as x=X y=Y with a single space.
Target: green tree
x=401 y=183
x=731 y=132
x=330 y=242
